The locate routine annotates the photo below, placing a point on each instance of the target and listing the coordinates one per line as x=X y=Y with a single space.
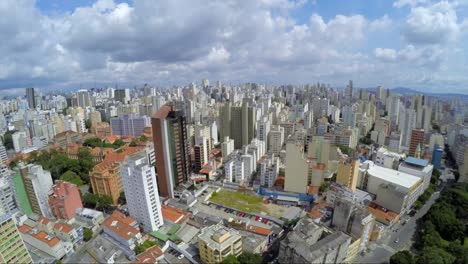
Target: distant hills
x=410 y=91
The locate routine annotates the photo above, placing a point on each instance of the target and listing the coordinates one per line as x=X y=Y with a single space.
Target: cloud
x=411 y=3
x=436 y=23
x=160 y=43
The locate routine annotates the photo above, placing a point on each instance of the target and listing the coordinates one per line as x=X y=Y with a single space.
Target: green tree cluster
x=441 y=233
x=72 y=177
x=143 y=247
x=58 y=164
x=7 y=139
x=244 y=258
x=345 y=149
x=99 y=202
x=87 y=234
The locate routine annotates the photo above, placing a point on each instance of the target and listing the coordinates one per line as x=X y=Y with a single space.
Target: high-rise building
x=122 y=95
x=238 y=122
x=417 y=141
x=12 y=247
x=348 y=172
x=37 y=183
x=127 y=125
x=200 y=150
x=64 y=199
x=217 y=242
x=227 y=147
x=105 y=177
x=8 y=203
x=406 y=124
x=141 y=191
x=276 y=139
x=31 y=98
x=172 y=148
x=297 y=169
x=82 y=99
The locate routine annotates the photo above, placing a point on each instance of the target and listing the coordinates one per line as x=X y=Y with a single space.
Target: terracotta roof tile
x=121 y=225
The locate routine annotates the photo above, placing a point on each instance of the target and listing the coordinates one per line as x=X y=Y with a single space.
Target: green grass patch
x=240 y=201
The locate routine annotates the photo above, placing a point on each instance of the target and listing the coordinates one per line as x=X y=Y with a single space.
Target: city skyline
x=404 y=43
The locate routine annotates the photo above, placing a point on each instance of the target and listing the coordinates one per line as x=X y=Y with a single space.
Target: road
x=382 y=250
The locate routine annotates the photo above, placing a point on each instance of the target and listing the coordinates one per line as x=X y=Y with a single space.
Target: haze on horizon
x=55 y=44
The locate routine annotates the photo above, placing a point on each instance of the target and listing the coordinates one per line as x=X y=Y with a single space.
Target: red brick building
x=64 y=199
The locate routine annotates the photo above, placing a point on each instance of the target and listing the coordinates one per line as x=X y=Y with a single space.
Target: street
x=382 y=250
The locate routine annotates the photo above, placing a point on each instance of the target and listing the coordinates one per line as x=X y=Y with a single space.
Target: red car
x=256 y=218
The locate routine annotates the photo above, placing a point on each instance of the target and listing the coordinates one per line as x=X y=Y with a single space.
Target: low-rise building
x=123 y=229
x=44 y=242
x=64 y=199
x=217 y=242
x=310 y=242
x=394 y=190
x=89 y=218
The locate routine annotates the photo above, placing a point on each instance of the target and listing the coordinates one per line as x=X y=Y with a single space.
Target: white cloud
x=380 y=24
x=411 y=3
x=161 y=43
x=436 y=23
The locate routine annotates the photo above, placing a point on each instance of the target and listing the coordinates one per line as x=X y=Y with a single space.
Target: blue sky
x=57 y=44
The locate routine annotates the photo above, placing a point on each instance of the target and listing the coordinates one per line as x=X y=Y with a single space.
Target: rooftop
x=393 y=176
x=416 y=161
x=123 y=226
x=42 y=236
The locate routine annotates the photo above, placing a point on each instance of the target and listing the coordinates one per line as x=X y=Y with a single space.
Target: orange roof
x=41 y=236
x=380 y=213
x=205 y=171
x=113 y=157
x=163 y=112
x=172 y=214
x=121 y=225
x=112 y=138
x=258 y=230
x=62 y=227
x=43 y=220
x=315 y=213
x=151 y=255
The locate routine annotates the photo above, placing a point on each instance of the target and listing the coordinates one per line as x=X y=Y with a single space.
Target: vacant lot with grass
x=241 y=201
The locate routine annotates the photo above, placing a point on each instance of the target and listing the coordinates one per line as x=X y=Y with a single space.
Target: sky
x=64 y=44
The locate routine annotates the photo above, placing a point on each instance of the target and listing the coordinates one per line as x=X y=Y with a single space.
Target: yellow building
x=12 y=248
x=347 y=174
x=217 y=242
x=105 y=176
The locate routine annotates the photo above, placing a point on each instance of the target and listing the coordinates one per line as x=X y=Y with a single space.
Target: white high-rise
x=141 y=191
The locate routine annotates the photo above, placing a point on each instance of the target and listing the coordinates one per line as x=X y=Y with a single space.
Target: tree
x=87 y=234
x=402 y=257
x=90 y=200
x=143 y=138
x=72 y=177
x=88 y=123
x=249 y=258
x=435 y=176
x=324 y=187
x=93 y=142
x=7 y=139
x=231 y=259
x=435 y=255
x=118 y=143
x=143 y=247
x=104 y=202
x=122 y=198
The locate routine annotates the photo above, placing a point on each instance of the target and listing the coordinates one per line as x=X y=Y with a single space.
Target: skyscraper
x=127 y=125
x=12 y=247
x=141 y=191
x=31 y=98
x=172 y=148
x=416 y=142
x=238 y=123
x=37 y=183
